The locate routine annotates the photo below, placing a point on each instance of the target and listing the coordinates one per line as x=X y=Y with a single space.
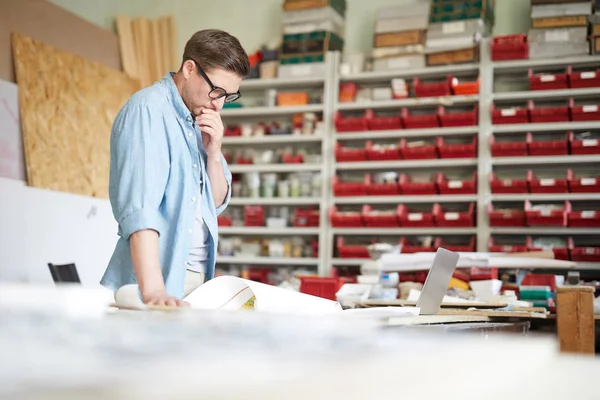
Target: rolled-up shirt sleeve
x=228 y=178
x=139 y=169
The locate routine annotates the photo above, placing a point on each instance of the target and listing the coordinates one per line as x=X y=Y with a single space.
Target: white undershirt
x=199 y=245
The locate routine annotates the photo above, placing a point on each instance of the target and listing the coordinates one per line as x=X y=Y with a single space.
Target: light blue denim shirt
x=157 y=168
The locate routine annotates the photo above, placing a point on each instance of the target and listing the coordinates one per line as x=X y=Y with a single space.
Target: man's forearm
x=218 y=183
x=146 y=262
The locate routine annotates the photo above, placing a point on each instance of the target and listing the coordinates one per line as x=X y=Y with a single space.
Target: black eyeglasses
x=217 y=92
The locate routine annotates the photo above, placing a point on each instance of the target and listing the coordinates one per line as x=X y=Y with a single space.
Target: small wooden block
x=575 y=319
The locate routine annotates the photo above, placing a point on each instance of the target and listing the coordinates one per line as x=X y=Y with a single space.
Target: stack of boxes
x=311 y=28
x=559 y=28
x=595 y=29
x=400 y=37
x=455 y=29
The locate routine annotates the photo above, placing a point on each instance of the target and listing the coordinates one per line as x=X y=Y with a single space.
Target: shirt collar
x=180 y=107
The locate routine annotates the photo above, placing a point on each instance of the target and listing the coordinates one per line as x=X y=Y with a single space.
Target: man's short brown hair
x=213 y=48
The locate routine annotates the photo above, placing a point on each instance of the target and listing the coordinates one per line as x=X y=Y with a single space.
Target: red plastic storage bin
x=240 y=160
x=464 y=87
x=483 y=274
x=547 y=185
x=456 y=243
x=585 y=144
x=349 y=154
x=533 y=279
x=457 y=219
x=288 y=158
x=351 y=250
x=411 y=188
x=411 y=245
x=309 y=217
x=588 y=218
x=548 y=81
x=381 y=188
x=508 y=148
x=233 y=131
x=345 y=219
x=509 y=115
x=383 y=152
x=453 y=148
x=585 y=112
x=506 y=217
x=418 y=119
x=432 y=88
x=584 y=79
x=548 y=146
x=550 y=111
x=420 y=152
x=581 y=251
x=383 y=121
x=509 y=47
x=457 y=116
x=546 y=217
x=341 y=188
x=456 y=186
x=379 y=219
x=224 y=221
x=508 y=185
x=497 y=245
x=590 y=183
x=350 y=123
x=254 y=216
x=319 y=286
x=416 y=217
x=560 y=253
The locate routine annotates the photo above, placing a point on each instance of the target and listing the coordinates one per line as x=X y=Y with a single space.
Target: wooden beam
x=575 y=319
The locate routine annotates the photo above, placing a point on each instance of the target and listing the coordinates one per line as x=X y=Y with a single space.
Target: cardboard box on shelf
x=595 y=23
x=315 y=69
x=558 y=50
x=560 y=22
x=312 y=42
x=561 y=9
x=294 y=5
x=560 y=35
x=401 y=62
x=455 y=56
x=454 y=34
x=399 y=38
x=595 y=44
x=460 y=10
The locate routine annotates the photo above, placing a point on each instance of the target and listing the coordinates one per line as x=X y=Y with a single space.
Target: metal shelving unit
x=263 y=230
x=276 y=261
x=483 y=163
x=405 y=199
x=274 y=201
x=411 y=102
x=394 y=134
x=262 y=111
x=404 y=164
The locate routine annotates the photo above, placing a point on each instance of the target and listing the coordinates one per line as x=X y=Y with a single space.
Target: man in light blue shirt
x=168 y=178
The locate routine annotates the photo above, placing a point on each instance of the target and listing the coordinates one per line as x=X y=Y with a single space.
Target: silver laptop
x=436 y=284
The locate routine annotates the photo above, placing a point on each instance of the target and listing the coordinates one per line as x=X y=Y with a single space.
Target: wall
x=234 y=16
x=41 y=226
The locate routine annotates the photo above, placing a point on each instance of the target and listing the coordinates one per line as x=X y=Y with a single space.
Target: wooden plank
x=494 y=314
x=174 y=52
x=436 y=319
x=156 y=50
x=406 y=303
x=67 y=105
x=47 y=22
x=127 y=46
x=575 y=319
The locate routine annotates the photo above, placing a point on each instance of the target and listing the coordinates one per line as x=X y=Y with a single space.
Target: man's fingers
x=181 y=303
x=171 y=302
x=208 y=130
x=209 y=111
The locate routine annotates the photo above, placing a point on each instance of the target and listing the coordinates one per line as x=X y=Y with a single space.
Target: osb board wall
x=42 y=20
x=67 y=104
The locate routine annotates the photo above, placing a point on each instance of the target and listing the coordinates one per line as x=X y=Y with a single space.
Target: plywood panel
x=42 y=20
x=12 y=164
x=68 y=104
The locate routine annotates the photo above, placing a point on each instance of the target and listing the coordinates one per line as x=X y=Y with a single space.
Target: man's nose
x=217 y=104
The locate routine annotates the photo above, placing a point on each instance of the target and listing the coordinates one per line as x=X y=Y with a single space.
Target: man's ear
x=187 y=68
